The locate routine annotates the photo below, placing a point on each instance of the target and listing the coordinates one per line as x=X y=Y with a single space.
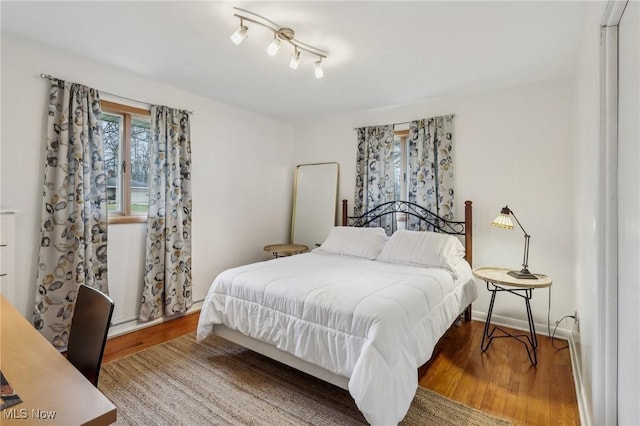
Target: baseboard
x=576 y=366
x=541 y=328
x=134 y=324
x=561 y=333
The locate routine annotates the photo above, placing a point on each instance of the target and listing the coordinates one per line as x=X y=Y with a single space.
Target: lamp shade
x=503 y=220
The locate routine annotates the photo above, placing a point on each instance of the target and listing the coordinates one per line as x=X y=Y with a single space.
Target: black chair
x=88 y=334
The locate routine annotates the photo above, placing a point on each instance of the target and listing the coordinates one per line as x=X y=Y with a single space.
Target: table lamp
x=503 y=220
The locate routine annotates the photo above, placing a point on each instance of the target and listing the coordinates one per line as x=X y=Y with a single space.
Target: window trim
x=127 y=113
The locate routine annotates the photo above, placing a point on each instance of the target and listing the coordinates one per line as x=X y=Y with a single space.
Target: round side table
x=498 y=280
x=281 y=250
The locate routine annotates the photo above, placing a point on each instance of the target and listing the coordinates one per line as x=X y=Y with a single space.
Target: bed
x=363 y=311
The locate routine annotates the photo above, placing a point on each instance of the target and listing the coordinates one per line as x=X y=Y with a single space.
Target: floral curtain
x=431 y=166
x=73 y=243
x=167 y=279
x=377 y=177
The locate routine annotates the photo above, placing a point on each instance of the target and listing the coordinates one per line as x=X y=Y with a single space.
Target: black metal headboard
x=432 y=221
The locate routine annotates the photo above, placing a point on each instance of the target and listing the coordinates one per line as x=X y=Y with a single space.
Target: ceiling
x=380 y=53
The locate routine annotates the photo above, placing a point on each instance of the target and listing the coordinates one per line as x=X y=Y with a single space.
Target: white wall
x=513 y=146
x=236 y=210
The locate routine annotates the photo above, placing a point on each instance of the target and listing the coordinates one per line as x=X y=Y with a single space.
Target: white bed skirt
x=286 y=358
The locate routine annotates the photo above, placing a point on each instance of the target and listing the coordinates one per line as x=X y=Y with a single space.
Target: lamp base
x=524 y=274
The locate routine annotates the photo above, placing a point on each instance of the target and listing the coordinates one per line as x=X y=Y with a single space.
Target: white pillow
x=365 y=243
x=423 y=248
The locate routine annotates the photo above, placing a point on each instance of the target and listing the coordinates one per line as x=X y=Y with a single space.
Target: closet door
x=629 y=215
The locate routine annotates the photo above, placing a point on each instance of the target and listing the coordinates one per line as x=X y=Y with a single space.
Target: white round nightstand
x=498 y=280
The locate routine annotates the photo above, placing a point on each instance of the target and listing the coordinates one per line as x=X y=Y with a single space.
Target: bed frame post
x=468 y=229
x=468 y=244
x=344 y=212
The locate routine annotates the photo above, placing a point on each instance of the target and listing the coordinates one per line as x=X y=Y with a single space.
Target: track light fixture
x=280 y=34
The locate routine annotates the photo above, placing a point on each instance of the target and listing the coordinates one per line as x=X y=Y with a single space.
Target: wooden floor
x=501 y=382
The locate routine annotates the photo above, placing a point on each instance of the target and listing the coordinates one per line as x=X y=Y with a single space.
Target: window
x=126 y=134
x=400 y=158
x=401 y=163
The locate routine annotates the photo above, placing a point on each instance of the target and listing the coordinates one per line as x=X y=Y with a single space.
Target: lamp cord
x=552 y=335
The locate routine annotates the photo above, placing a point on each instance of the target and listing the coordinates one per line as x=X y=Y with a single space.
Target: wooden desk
x=44 y=379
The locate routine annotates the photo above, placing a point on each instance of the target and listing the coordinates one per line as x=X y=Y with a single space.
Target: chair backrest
x=88 y=334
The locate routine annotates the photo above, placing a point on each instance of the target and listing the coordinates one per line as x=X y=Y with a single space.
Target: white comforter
x=372 y=322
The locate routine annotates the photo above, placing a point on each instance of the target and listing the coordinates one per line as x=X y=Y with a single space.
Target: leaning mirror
x=315 y=198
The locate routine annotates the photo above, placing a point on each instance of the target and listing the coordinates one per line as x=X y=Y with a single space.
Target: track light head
x=295 y=60
x=240 y=34
x=318 y=68
x=274 y=47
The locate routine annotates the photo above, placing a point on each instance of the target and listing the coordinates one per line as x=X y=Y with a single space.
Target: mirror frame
x=333 y=173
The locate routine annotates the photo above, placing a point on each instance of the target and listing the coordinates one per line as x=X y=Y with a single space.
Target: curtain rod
x=48 y=77
x=405 y=122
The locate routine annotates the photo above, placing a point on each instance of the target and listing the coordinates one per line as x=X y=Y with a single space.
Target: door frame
x=605 y=381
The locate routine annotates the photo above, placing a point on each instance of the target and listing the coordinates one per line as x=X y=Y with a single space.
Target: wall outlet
x=576 y=323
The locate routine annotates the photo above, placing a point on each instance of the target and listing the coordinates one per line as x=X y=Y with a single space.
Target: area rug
x=181 y=382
